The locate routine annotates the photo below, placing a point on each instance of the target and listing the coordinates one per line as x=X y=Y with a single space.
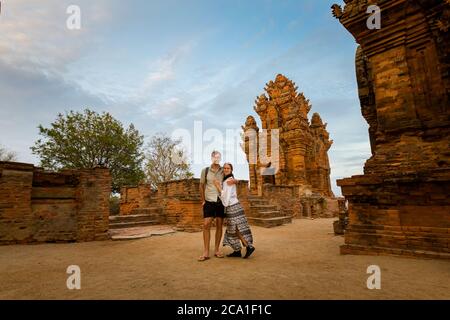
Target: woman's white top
x=229 y=194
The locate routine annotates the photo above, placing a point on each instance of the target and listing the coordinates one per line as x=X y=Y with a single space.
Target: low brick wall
x=407 y=214
x=134 y=197
x=286 y=198
x=295 y=202
x=179 y=201
x=38 y=206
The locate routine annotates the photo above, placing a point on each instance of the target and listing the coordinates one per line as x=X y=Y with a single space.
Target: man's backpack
x=206 y=174
x=206 y=179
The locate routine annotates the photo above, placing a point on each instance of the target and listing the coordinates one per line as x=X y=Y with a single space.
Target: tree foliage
x=89 y=139
x=165 y=160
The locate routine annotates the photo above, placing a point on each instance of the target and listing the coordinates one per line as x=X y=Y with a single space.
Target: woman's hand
x=232 y=181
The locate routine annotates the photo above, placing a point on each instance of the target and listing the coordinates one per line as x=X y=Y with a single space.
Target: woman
x=237 y=225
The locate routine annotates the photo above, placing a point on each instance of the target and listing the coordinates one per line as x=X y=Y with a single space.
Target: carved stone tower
x=303 y=147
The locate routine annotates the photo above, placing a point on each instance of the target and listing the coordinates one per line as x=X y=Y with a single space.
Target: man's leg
x=219 y=224
x=206 y=235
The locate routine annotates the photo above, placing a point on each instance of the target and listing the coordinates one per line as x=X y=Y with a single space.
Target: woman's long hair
x=228 y=175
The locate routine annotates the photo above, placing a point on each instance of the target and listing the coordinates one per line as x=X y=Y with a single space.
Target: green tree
x=89 y=139
x=165 y=160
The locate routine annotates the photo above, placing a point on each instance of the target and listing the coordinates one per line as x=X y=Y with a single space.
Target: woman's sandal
x=218 y=255
x=235 y=254
x=249 y=251
x=203 y=258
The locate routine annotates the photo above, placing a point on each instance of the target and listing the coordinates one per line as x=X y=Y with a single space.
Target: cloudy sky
x=169 y=65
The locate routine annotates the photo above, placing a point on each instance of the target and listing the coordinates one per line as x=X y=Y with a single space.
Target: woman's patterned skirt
x=236 y=220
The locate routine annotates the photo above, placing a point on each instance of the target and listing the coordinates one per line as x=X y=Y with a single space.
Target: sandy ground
x=297 y=261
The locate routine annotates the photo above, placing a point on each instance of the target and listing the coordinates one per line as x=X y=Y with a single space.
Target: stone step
x=399 y=233
x=254 y=196
x=149 y=210
x=287 y=219
x=130 y=218
x=102 y=236
x=154 y=213
x=267 y=214
x=264 y=207
x=267 y=222
x=140 y=232
x=359 y=249
x=257 y=199
x=122 y=225
x=259 y=202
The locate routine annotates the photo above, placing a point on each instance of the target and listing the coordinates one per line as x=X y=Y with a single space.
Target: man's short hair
x=215 y=152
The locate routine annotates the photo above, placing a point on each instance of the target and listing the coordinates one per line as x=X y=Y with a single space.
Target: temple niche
x=303 y=146
x=401 y=204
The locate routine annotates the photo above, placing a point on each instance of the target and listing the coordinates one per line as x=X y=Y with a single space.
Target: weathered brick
x=402 y=73
x=39 y=206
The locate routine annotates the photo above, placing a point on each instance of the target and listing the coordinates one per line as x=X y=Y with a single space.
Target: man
x=212 y=206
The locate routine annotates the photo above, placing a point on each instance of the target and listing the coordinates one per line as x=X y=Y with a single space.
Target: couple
x=219 y=199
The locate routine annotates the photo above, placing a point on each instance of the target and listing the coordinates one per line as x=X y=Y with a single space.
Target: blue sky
x=162 y=65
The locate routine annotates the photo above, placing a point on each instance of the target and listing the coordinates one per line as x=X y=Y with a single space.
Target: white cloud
x=167 y=108
x=171 y=90
x=162 y=73
x=34 y=35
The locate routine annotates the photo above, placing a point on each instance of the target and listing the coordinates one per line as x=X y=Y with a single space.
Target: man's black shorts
x=213 y=210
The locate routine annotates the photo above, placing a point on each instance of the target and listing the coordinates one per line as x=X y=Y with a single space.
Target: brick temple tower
x=303 y=146
x=401 y=204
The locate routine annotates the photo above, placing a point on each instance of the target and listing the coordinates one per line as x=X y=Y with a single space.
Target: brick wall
x=135 y=197
x=286 y=198
x=38 y=206
x=401 y=204
x=179 y=201
x=298 y=202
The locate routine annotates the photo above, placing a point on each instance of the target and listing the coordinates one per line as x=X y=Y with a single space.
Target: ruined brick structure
x=38 y=206
x=176 y=203
x=303 y=146
x=401 y=205
x=296 y=183
x=300 y=188
x=340 y=225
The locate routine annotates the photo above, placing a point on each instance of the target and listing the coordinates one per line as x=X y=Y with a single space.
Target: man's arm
x=202 y=193
x=202 y=186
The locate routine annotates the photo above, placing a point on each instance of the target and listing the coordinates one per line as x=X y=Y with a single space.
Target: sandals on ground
x=202 y=258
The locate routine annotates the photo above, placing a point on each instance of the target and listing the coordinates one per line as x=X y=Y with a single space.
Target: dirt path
x=297 y=261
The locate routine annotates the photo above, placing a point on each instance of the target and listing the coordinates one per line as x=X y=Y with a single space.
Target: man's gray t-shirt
x=211 y=192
